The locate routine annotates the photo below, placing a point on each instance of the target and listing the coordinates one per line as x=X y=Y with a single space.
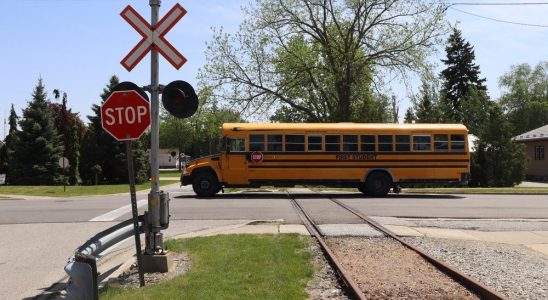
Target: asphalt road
x=41 y=233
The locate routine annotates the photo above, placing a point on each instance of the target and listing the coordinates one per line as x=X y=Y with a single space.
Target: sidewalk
x=536 y=240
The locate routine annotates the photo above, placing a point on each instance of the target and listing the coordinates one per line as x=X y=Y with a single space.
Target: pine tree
x=100 y=151
x=74 y=156
x=498 y=160
x=38 y=147
x=409 y=116
x=426 y=108
x=10 y=141
x=460 y=74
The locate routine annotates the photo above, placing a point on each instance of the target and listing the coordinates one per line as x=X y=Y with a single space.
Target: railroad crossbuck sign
x=125 y=115
x=153 y=37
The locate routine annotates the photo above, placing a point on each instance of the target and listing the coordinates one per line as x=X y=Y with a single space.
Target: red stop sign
x=257 y=157
x=125 y=115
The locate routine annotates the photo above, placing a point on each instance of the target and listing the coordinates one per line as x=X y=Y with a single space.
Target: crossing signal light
x=130 y=86
x=180 y=99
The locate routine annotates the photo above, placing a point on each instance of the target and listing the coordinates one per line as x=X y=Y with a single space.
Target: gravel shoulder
x=513 y=270
x=384 y=269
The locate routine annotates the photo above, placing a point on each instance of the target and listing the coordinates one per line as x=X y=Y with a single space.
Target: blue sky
x=76 y=45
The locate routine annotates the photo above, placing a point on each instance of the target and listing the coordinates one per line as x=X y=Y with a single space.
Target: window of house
x=236 y=145
x=457 y=143
x=350 y=143
x=539 y=153
x=332 y=142
x=422 y=143
x=294 y=142
x=402 y=143
x=441 y=143
x=256 y=142
x=274 y=142
x=315 y=142
x=368 y=143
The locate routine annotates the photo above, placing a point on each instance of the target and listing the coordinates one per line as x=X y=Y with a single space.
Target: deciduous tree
x=525 y=96
x=320 y=60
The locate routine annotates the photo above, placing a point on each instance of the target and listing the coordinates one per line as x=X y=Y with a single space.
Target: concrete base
x=158 y=263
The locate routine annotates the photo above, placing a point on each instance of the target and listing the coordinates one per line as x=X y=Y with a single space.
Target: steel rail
x=315 y=232
x=477 y=287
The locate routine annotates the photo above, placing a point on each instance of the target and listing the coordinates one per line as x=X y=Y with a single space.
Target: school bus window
x=294 y=142
x=368 y=143
x=385 y=143
x=402 y=143
x=274 y=142
x=236 y=145
x=256 y=142
x=441 y=142
x=422 y=143
x=315 y=142
x=457 y=143
x=350 y=143
x=332 y=142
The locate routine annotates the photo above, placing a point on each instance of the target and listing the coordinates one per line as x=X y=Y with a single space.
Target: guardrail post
x=83 y=278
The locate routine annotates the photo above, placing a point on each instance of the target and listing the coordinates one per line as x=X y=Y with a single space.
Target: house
x=169 y=158
x=536 y=143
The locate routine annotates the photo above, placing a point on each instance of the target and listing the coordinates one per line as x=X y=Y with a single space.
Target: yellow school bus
x=370 y=157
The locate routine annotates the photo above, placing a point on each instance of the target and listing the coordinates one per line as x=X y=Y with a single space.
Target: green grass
x=170 y=174
x=233 y=267
x=508 y=190
x=80 y=190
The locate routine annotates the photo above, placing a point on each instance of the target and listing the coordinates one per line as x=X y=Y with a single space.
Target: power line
x=499 y=20
x=498 y=3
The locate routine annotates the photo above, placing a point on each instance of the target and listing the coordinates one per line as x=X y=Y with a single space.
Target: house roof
x=540 y=133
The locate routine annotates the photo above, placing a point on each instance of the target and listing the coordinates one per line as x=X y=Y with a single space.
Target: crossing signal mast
x=178 y=97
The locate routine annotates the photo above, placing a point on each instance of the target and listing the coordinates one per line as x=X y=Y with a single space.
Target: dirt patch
x=384 y=269
x=130 y=278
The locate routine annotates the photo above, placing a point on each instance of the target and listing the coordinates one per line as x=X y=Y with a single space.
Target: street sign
x=125 y=115
x=153 y=36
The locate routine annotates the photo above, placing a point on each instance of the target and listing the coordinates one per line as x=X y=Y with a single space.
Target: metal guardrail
x=82 y=265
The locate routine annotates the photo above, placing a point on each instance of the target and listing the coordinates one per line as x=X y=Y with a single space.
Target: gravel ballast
x=384 y=269
x=515 y=271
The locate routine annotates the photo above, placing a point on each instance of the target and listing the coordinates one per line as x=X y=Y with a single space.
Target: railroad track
x=353 y=288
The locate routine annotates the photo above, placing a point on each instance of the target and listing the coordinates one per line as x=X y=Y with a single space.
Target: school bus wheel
x=378 y=184
x=361 y=187
x=205 y=184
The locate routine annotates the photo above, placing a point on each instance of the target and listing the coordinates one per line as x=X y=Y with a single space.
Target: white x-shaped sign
x=153 y=37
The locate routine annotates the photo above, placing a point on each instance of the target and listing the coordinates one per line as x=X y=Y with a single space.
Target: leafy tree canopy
x=320 y=60
x=525 y=96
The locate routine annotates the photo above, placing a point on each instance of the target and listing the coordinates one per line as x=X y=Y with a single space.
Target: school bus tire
x=205 y=184
x=361 y=187
x=378 y=184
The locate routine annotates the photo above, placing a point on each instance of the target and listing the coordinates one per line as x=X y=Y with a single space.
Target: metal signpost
x=153 y=40
x=126 y=115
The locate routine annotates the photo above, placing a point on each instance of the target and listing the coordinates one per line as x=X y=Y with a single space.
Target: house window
x=539 y=153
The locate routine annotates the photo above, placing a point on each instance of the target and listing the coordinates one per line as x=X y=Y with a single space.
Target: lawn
x=176 y=174
x=233 y=267
x=80 y=190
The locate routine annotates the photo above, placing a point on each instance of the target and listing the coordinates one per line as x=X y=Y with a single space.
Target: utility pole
x=395 y=110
